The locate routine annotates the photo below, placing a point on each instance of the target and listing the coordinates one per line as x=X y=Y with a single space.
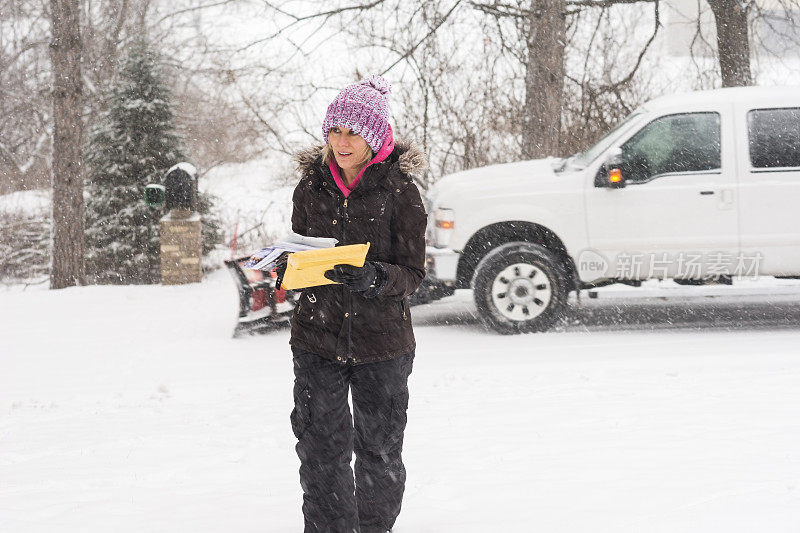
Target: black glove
x=280 y=268
x=357 y=279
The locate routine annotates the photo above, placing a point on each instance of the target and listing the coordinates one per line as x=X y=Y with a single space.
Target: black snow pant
x=333 y=502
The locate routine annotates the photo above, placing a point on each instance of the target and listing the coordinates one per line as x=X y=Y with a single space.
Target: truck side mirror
x=610 y=174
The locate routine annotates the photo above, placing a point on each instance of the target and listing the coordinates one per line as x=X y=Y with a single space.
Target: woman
x=356 y=335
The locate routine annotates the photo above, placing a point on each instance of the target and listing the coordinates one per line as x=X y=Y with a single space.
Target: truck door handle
x=704 y=193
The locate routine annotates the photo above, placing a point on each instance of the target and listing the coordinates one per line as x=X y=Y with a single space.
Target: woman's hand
x=356 y=279
x=280 y=268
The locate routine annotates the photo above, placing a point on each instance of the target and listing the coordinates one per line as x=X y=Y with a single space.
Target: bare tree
x=24 y=96
x=471 y=98
x=541 y=27
x=541 y=45
x=68 y=267
x=733 y=43
x=610 y=72
x=544 y=78
x=747 y=34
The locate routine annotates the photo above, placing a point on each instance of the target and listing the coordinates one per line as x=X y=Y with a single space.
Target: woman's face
x=349 y=148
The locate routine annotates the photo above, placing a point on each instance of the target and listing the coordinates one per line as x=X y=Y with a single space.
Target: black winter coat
x=386 y=210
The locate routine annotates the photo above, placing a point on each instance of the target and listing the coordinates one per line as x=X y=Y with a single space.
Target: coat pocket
x=376 y=316
x=395 y=424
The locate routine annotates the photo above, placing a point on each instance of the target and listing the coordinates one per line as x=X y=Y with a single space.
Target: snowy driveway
x=130 y=409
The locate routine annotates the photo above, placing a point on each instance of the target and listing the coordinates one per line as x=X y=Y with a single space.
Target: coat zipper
x=347 y=296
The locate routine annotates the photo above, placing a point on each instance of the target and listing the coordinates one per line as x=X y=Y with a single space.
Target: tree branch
x=497 y=9
x=607 y=3
x=615 y=86
x=431 y=32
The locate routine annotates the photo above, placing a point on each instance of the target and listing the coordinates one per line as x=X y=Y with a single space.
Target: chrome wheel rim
x=521 y=292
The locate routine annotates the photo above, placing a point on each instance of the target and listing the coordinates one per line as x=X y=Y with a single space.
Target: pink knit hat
x=362 y=107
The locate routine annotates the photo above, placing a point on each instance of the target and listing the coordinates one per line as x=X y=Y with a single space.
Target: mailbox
x=154 y=195
x=180 y=185
x=181 y=229
x=179 y=189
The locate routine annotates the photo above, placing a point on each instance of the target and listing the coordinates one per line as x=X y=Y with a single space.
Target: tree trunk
x=733 y=45
x=544 y=78
x=67 y=173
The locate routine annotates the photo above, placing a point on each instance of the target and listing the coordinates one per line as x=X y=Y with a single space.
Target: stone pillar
x=181 y=247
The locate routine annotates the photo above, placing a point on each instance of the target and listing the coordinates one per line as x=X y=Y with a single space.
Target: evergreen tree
x=134 y=143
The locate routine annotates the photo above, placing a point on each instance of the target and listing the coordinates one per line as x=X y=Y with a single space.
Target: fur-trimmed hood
x=411 y=160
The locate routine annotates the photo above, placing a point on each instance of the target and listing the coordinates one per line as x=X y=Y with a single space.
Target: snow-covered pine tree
x=134 y=143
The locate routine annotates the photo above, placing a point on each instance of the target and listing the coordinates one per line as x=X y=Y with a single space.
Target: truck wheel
x=520 y=288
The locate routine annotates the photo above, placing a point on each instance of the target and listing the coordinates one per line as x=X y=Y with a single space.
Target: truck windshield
x=584 y=158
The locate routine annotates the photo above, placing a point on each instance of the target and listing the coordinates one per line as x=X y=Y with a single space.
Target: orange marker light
x=445 y=224
x=615 y=175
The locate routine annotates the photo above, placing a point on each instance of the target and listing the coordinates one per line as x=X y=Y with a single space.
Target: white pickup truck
x=700 y=188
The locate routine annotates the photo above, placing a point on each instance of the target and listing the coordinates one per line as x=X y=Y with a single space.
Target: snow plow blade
x=261 y=307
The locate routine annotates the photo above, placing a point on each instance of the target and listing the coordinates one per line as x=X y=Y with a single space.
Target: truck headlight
x=443 y=224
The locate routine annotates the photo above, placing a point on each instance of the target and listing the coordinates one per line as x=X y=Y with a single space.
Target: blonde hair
x=327 y=155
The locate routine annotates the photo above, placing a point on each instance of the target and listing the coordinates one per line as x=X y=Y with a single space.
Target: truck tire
x=520 y=288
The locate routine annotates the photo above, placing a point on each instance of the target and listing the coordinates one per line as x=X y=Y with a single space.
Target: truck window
x=774 y=137
x=681 y=143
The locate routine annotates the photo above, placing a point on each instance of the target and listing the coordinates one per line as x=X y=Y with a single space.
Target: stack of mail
x=307 y=268
x=265 y=258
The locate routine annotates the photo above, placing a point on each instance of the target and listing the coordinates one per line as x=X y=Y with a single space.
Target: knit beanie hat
x=363 y=108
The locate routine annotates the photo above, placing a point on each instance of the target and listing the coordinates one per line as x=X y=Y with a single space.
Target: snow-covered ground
x=130 y=409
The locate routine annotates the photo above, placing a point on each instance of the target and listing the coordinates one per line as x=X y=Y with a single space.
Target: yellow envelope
x=307 y=268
